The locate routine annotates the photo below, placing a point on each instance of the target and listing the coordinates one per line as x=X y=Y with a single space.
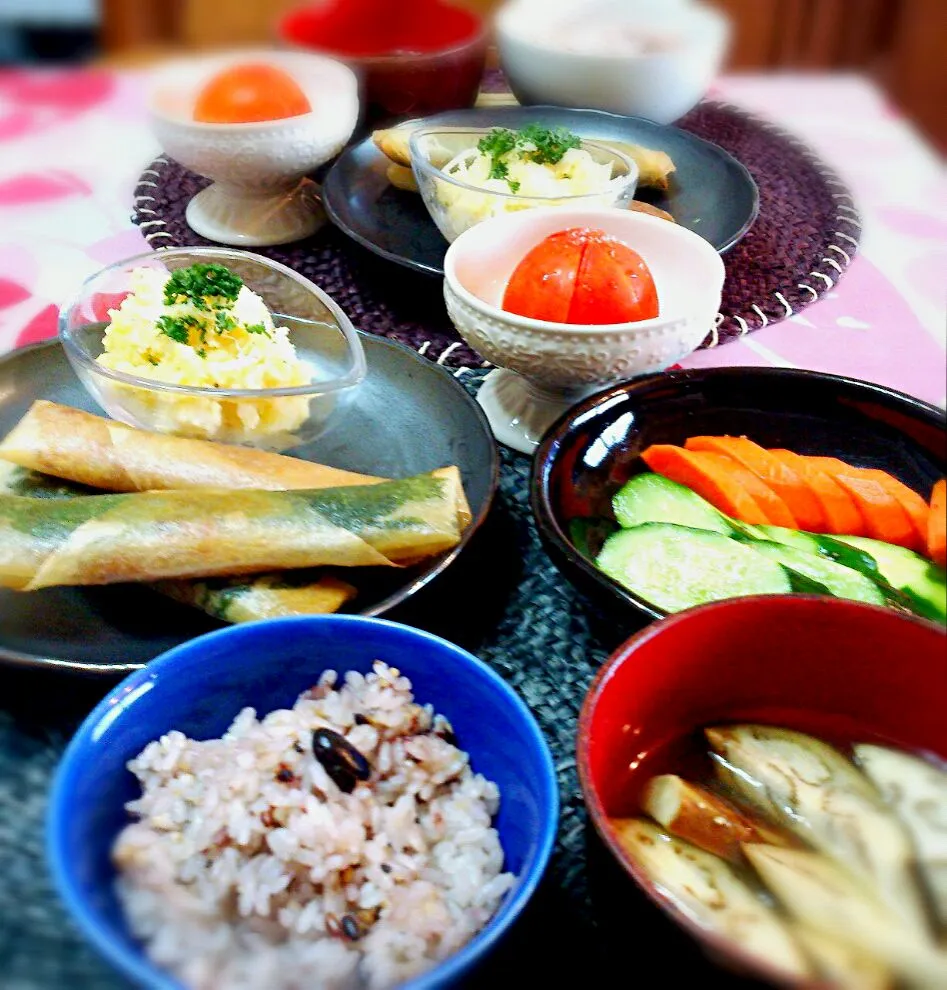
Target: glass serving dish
x=269 y=418
x=456 y=205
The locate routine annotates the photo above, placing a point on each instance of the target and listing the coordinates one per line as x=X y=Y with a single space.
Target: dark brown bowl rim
x=719 y=946
x=563 y=552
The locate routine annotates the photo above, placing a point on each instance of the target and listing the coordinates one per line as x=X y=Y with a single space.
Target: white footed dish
x=543 y=368
x=261 y=194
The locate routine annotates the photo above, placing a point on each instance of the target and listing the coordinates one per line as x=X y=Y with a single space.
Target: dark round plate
x=408 y=417
x=594 y=449
x=711 y=193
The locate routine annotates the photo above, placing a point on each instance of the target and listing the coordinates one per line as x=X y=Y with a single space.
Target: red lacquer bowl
x=414 y=59
x=837 y=669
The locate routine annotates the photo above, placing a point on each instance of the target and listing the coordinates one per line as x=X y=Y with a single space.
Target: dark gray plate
x=711 y=193
x=408 y=417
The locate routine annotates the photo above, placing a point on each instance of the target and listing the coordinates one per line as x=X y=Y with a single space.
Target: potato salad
x=200 y=326
x=535 y=162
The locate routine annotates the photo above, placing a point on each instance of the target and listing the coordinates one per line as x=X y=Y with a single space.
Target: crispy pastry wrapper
x=267 y=596
x=261 y=596
x=102 y=453
x=149 y=536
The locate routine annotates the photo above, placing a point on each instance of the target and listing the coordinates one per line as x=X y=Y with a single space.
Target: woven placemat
x=504 y=601
x=804 y=238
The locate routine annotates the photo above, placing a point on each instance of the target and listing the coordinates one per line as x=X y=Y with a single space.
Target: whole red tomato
x=582 y=276
x=249 y=92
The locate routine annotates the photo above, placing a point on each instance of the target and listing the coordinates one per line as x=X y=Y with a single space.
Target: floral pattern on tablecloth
x=73 y=144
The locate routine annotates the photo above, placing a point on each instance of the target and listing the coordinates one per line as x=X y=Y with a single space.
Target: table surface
x=72 y=146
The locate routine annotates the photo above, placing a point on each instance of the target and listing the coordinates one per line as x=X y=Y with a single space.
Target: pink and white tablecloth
x=73 y=144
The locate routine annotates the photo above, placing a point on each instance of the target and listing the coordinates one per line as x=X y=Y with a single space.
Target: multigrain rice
x=249 y=867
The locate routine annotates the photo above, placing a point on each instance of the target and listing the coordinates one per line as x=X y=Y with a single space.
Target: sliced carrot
x=842 y=515
x=884 y=518
x=909 y=500
x=937 y=525
x=713 y=476
x=778 y=475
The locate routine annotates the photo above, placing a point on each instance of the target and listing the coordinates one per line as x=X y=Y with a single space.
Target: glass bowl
x=456 y=206
x=269 y=418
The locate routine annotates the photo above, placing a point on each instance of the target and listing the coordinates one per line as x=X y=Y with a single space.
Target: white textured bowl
x=546 y=367
x=659 y=86
x=260 y=193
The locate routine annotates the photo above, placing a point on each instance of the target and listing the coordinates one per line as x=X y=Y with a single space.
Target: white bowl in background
x=544 y=368
x=260 y=193
x=548 y=56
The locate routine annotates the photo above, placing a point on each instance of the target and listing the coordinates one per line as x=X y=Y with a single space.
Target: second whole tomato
x=582 y=276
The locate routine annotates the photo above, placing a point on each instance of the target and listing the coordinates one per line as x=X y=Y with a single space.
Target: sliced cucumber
x=675 y=567
x=651 y=498
x=842 y=582
x=922 y=581
x=823 y=545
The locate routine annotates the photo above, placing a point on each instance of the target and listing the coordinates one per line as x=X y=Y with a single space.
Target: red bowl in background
x=833 y=668
x=414 y=59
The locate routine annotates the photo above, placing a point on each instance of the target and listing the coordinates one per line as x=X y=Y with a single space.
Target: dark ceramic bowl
x=594 y=449
x=853 y=672
x=433 y=65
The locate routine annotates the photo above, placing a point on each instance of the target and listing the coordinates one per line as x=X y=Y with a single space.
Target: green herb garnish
x=535 y=143
x=257 y=328
x=197 y=282
x=550 y=144
x=223 y=321
x=499 y=142
x=175 y=327
x=499 y=170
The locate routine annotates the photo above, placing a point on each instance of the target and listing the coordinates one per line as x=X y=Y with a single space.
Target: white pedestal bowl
x=261 y=192
x=544 y=368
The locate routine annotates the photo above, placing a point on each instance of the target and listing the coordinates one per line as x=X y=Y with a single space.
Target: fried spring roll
x=263 y=596
x=102 y=453
x=268 y=596
x=106 y=539
x=654 y=167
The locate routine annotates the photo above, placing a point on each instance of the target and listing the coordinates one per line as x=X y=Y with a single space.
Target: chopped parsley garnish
x=550 y=144
x=153 y=360
x=535 y=143
x=499 y=169
x=197 y=282
x=223 y=321
x=176 y=328
x=213 y=290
